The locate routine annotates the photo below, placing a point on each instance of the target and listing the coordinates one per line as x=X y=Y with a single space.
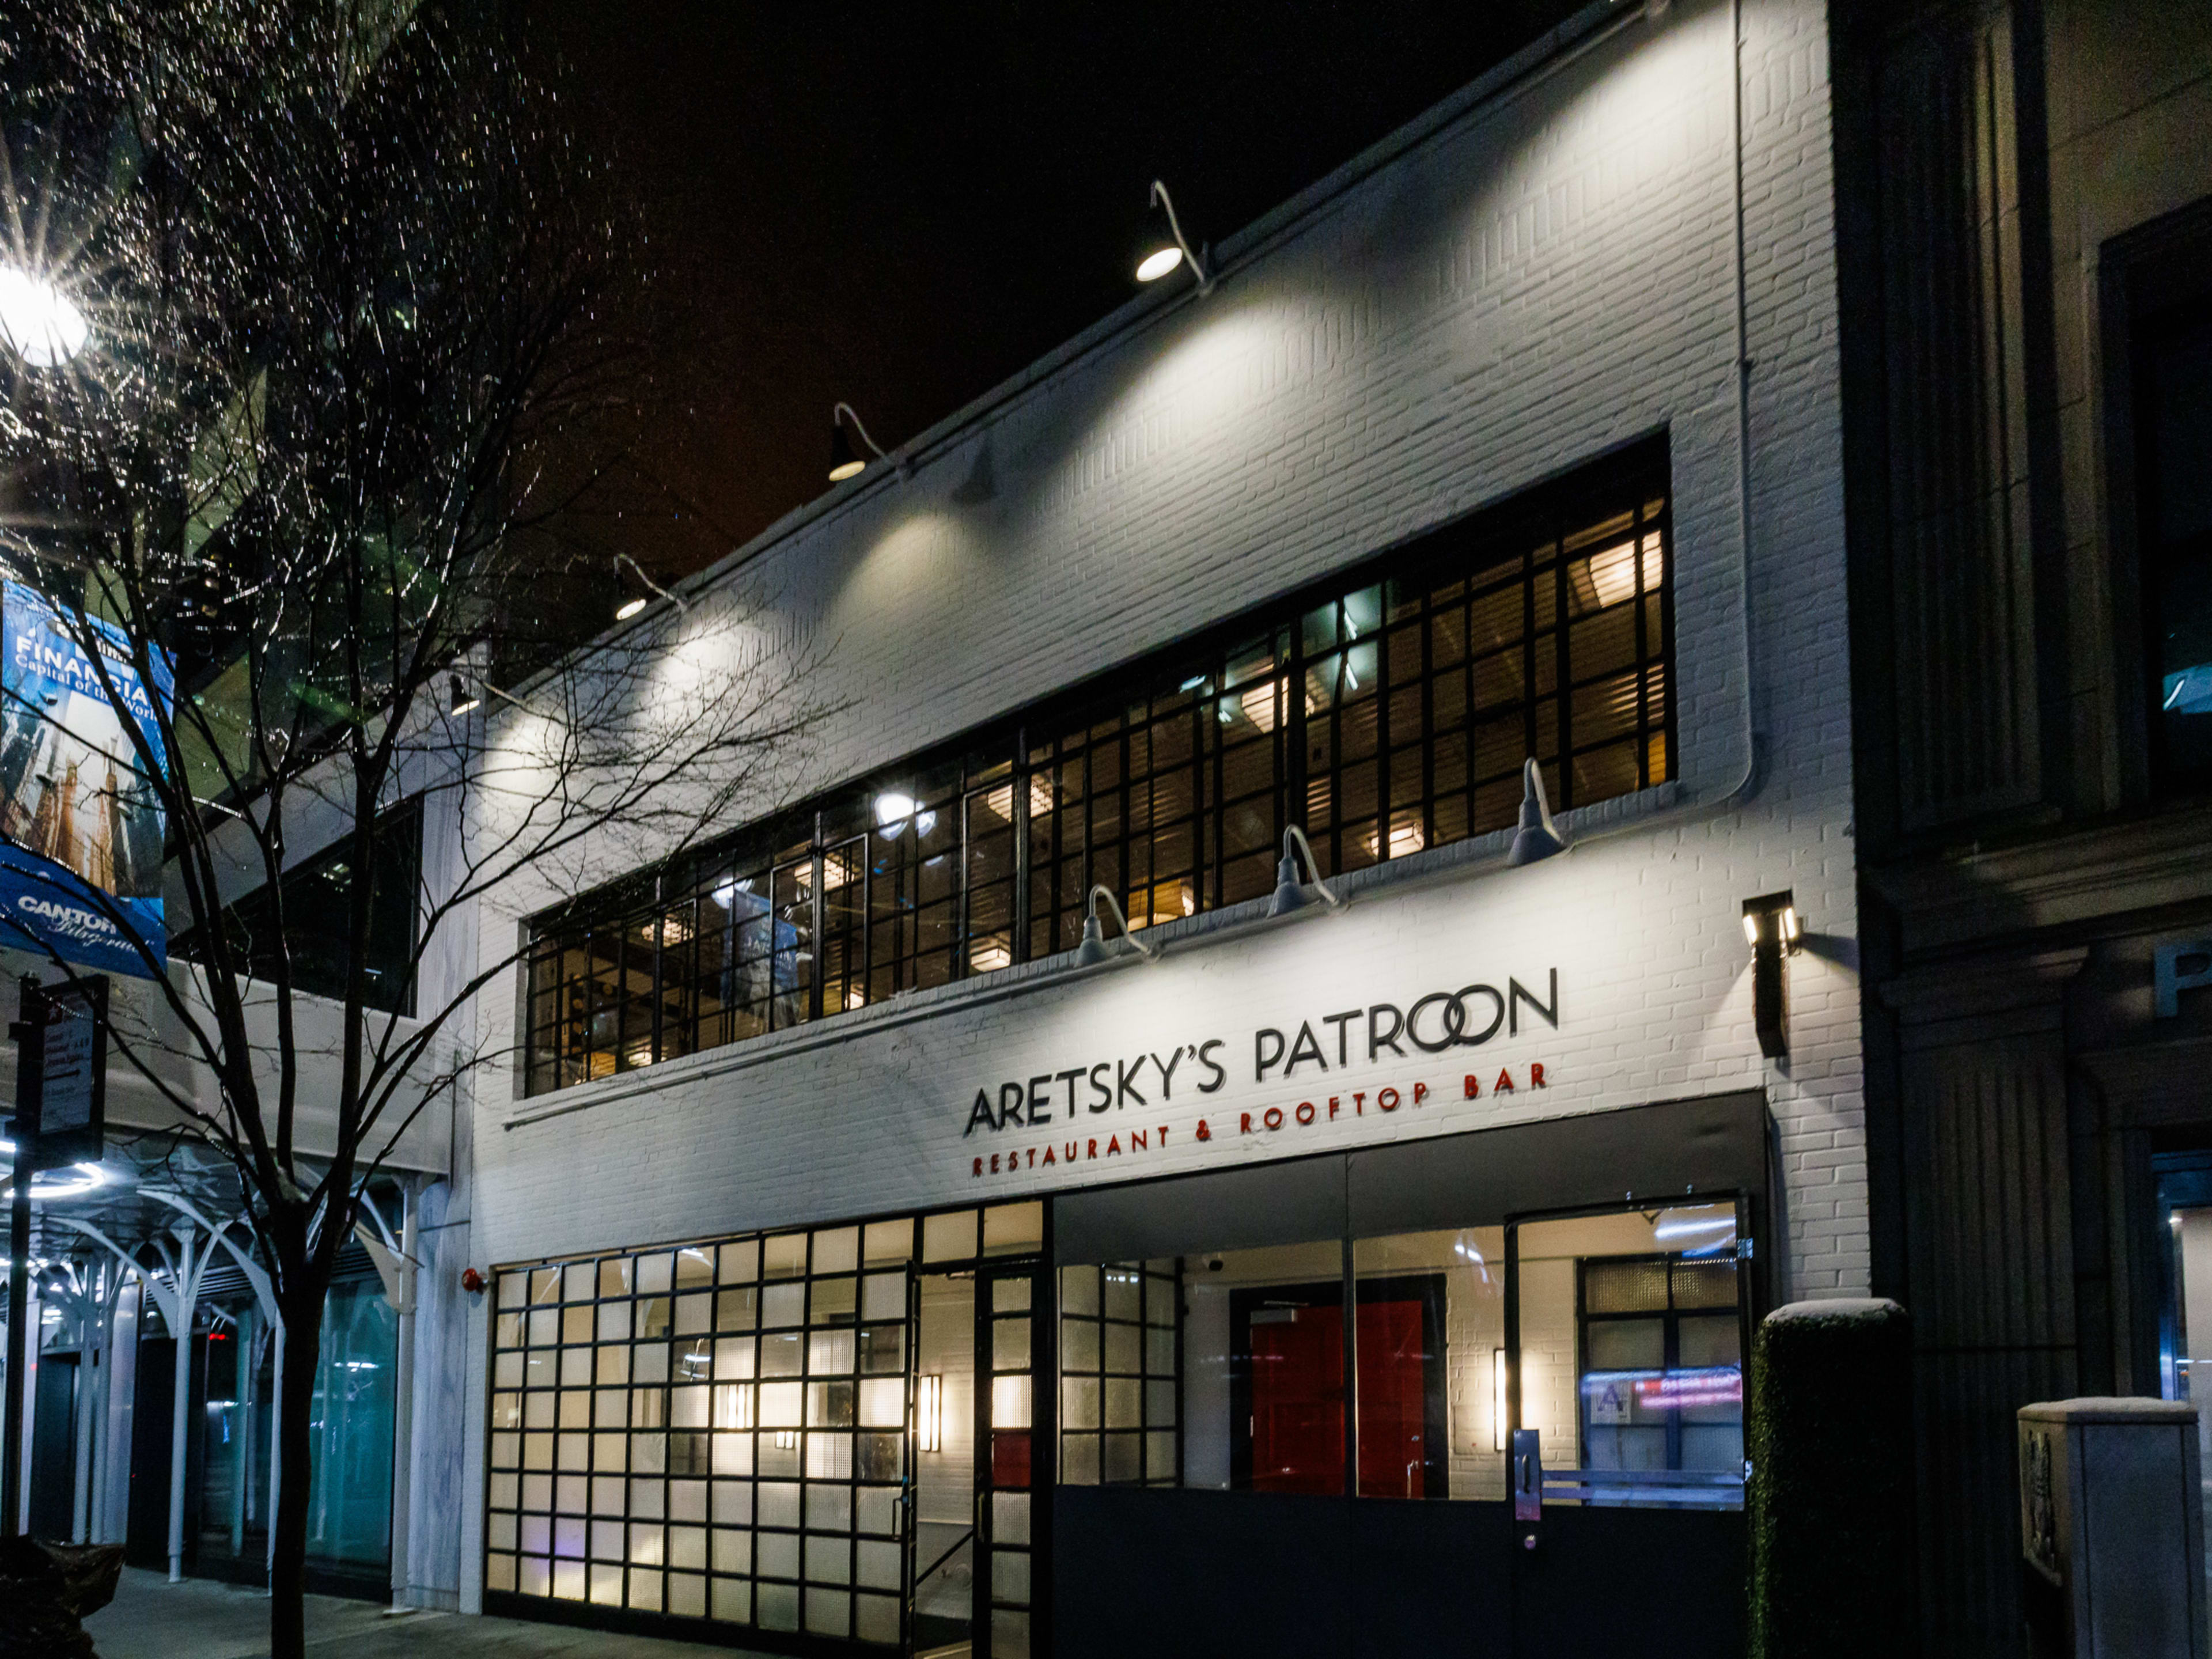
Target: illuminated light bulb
x=1157 y=264
x=1259 y=705
x=38 y=322
x=929 y=1413
x=628 y=608
x=1751 y=929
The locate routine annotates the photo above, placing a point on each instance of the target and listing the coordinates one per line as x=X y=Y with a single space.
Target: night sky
x=902 y=206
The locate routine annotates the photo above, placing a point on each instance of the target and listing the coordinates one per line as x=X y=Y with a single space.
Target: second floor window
x=2175 y=445
x=1388 y=713
x=316 y=945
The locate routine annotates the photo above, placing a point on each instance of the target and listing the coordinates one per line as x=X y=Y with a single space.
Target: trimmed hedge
x=1830 y=1498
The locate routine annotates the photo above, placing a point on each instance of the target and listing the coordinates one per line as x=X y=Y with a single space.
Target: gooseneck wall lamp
x=1774 y=932
x=1290 y=893
x=1538 y=837
x=1093 y=951
x=635 y=602
x=1164 y=246
x=845 y=461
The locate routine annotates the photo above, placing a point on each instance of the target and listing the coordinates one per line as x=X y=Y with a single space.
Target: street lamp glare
x=39 y=323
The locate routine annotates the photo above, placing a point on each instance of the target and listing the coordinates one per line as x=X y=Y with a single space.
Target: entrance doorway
x=1286 y=1404
x=942 y=1538
x=1625 y=1333
x=2184 y=1355
x=971 y=1533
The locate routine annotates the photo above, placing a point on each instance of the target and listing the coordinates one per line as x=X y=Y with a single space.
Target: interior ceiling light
x=40 y=324
x=47 y=1185
x=1165 y=247
x=845 y=461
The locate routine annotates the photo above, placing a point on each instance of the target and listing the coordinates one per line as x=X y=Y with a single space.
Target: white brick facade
x=1548 y=275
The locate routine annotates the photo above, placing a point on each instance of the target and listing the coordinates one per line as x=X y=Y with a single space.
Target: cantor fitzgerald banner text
x=81 y=834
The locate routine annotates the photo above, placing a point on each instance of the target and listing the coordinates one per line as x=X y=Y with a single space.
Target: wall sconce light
x=1164 y=245
x=463 y=699
x=637 y=602
x=1538 y=837
x=1093 y=951
x=1290 y=894
x=845 y=461
x=1774 y=931
x=1497 y=1400
x=929 y=1412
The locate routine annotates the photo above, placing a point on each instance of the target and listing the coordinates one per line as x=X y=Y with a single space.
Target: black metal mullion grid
x=1068 y=852
x=1670 y=1316
x=1036 y=1490
x=1152 y=1288
x=817 y=905
x=717 y=1323
x=1644 y=653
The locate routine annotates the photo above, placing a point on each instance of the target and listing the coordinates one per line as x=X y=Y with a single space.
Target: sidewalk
x=152 y=1619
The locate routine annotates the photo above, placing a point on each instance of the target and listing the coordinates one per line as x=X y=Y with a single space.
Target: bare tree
x=362 y=321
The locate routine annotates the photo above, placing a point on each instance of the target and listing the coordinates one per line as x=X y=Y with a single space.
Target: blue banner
x=80 y=831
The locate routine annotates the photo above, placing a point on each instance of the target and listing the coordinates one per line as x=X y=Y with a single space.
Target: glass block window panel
x=1385 y=713
x=716 y=1431
x=1011 y=1301
x=1120 y=1374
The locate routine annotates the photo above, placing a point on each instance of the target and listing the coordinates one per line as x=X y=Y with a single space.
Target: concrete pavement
x=199 y=1619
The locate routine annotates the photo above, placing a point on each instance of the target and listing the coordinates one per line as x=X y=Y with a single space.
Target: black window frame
x=1172 y=780
x=395 y=917
x=2147 y=278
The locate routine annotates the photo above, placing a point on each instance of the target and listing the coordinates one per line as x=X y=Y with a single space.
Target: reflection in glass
x=1631 y=1363
x=1431 y=1325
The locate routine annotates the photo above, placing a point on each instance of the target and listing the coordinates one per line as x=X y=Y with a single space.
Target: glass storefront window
x=351 y=1423
x=1431 y=1335
x=2184 y=1345
x=1630 y=1358
x=1263 y=1368
x=1119 y=1366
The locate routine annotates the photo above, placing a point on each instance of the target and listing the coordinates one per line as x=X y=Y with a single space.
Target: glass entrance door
x=941 y=1533
x=1006 y=1428
x=973 y=1538
x=2184 y=1347
x=1625 y=1331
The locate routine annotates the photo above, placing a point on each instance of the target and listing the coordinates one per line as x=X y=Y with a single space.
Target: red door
x=1393 y=1401
x=1298 y=1400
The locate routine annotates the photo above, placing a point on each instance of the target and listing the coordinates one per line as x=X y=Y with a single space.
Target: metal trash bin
x=2111 y=1530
